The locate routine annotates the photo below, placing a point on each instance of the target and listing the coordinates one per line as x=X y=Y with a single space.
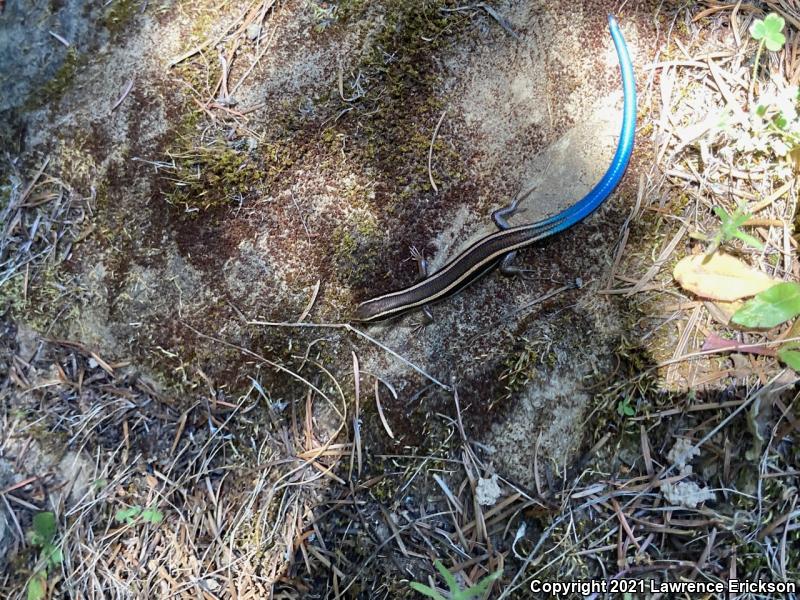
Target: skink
x=487 y=253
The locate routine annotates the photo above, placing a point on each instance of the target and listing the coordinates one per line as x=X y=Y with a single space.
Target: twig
x=124 y=95
x=311 y=301
x=501 y=20
x=755 y=72
x=356 y=419
x=210 y=42
x=348 y=327
x=430 y=151
x=59 y=38
x=384 y=422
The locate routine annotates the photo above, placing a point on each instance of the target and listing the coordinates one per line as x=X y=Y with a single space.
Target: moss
x=646 y=130
x=202 y=16
x=59 y=83
x=207 y=177
x=201 y=71
x=52 y=440
x=201 y=75
x=13 y=296
x=348 y=9
x=212 y=177
x=39 y=301
x=521 y=367
x=355 y=243
x=631 y=380
x=118 y=14
x=278 y=158
x=398 y=111
x=76 y=164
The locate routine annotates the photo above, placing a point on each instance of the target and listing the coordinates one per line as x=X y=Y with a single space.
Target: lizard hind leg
x=422 y=266
x=499 y=217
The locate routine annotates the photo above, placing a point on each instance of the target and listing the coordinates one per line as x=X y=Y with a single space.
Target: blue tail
x=578 y=211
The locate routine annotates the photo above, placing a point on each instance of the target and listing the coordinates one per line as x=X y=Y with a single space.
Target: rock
x=488 y=491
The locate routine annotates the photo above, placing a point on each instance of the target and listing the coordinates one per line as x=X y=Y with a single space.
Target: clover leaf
x=624 y=408
x=769 y=31
x=37 y=587
x=127 y=515
x=44 y=528
x=130 y=514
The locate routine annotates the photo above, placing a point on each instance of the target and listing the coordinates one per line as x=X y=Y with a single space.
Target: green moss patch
x=60 y=82
x=118 y=14
x=395 y=118
x=212 y=177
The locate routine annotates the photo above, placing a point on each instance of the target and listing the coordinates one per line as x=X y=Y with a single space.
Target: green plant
x=624 y=408
x=766 y=33
x=215 y=176
x=790 y=354
x=456 y=593
x=770 y=308
x=324 y=14
x=775 y=122
x=148 y=515
x=729 y=228
x=43 y=535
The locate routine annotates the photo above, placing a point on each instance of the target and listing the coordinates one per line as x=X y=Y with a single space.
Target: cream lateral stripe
x=454 y=263
x=483 y=255
x=431 y=281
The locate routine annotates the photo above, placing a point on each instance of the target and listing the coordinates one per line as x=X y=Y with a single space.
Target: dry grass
x=233 y=507
x=41 y=218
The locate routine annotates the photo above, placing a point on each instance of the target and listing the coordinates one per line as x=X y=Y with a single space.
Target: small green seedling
x=779 y=114
x=768 y=34
x=130 y=514
x=43 y=535
x=624 y=408
x=456 y=593
x=729 y=229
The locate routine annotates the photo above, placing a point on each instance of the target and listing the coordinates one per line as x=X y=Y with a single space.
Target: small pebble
x=253 y=31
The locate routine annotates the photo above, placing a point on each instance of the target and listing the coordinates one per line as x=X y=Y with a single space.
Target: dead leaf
x=720 y=277
x=719 y=344
x=722 y=312
x=793 y=333
x=794 y=153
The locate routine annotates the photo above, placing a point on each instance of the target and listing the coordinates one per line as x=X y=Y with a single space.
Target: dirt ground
x=219 y=184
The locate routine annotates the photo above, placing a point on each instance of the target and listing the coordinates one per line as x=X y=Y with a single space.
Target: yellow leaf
x=720 y=277
x=793 y=332
x=723 y=311
x=794 y=154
